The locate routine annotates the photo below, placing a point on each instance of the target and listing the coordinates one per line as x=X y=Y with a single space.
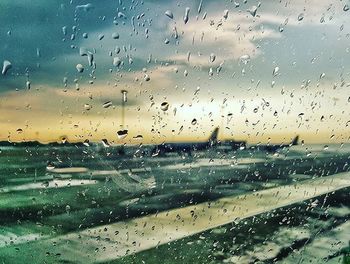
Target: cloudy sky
x=261 y=71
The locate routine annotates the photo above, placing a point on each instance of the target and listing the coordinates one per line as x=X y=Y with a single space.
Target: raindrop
x=86 y=7
x=122 y=134
x=169 y=14
x=87 y=107
x=146 y=77
x=50 y=166
x=138 y=137
x=86 y=142
x=212 y=57
x=346 y=8
x=275 y=71
x=253 y=11
x=85 y=35
x=28 y=84
x=300 y=16
x=187 y=12
x=115 y=35
x=83 y=51
x=226 y=14
x=101 y=36
x=105 y=143
x=121 y=15
x=19 y=130
x=107 y=104
x=117 y=61
x=6 y=66
x=164 y=106
x=200 y=6
x=244 y=59
x=194 y=121
x=79 y=67
x=211 y=71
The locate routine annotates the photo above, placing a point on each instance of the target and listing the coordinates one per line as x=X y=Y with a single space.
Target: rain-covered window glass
x=185 y=131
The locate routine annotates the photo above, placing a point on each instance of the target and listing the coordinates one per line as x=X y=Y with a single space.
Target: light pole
x=124 y=100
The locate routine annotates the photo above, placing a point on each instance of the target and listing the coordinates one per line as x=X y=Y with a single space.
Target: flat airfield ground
x=48 y=193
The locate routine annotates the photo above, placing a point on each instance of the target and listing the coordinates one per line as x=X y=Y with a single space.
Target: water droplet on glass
x=87 y=107
x=164 y=106
x=226 y=14
x=169 y=14
x=28 y=84
x=117 y=61
x=212 y=57
x=79 y=67
x=50 y=166
x=275 y=71
x=86 y=7
x=194 y=121
x=85 y=35
x=122 y=134
x=107 y=104
x=187 y=12
x=139 y=137
x=101 y=36
x=253 y=10
x=346 y=8
x=244 y=59
x=86 y=143
x=146 y=77
x=83 y=51
x=115 y=35
x=300 y=16
x=121 y=15
x=6 y=66
x=19 y=130
x=105 y=143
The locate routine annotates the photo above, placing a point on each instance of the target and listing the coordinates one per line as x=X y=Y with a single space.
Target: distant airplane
x=186 y=147
x=275 y=147
x=231 y=145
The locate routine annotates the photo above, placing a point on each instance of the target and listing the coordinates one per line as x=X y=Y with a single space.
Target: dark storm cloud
x=33 y=40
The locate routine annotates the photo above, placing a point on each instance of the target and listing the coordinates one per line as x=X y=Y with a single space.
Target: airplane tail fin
x=213 y=139
x=295 y=141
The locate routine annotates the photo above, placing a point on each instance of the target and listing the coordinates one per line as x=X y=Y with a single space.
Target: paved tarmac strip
x=108 y=242
x=322 y=247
